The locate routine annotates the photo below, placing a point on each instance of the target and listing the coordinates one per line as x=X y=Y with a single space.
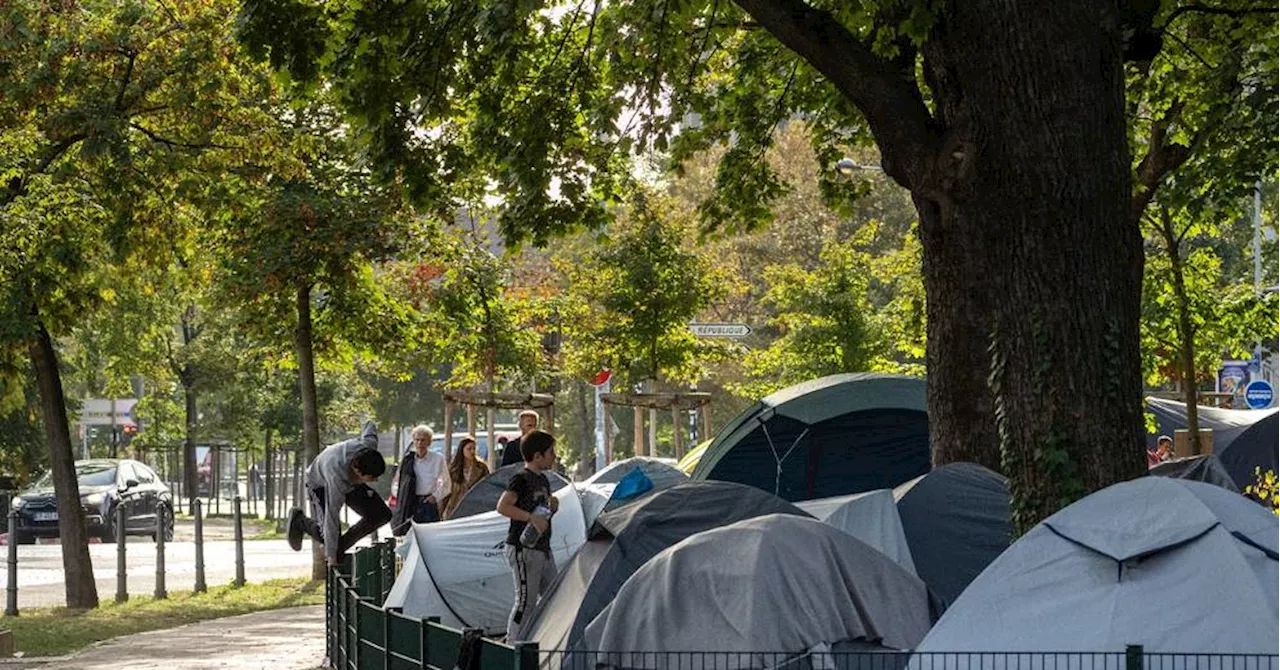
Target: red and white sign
x=602 y=377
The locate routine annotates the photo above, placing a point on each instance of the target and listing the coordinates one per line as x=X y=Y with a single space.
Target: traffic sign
x=720 y=329
x=602 y=377
x=1259 y=394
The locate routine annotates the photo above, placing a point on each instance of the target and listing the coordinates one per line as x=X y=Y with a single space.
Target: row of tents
x=764 y=550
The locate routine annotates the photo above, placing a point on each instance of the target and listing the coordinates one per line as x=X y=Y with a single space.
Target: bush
x=1265 y=489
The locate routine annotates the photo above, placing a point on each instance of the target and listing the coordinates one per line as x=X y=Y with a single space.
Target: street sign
x=1259 y=394
x=105 y=412
x=720 y=329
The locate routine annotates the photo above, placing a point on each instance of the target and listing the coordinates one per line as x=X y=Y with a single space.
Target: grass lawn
x=56 y=631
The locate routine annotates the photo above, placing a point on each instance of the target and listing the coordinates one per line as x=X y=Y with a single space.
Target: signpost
x=734 y=330
x=1259 y=394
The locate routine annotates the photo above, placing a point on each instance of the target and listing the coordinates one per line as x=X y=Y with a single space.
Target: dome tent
x=826 y=437
x=483 y=497
x=457 y=570
x=621 y=541
x=1197 y=559
x=1204 y=468
x=872 y=517
x=790 y=584
x=1243 y=439
x=956 y=520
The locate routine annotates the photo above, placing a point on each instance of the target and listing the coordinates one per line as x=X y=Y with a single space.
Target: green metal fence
x=363 y=635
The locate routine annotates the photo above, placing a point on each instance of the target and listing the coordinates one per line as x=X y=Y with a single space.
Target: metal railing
x=363 y=635
x=841 y=658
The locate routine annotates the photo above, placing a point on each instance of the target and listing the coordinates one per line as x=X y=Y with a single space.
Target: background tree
x=101 y=103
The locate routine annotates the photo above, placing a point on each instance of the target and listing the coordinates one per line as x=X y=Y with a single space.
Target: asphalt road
x=40 y=573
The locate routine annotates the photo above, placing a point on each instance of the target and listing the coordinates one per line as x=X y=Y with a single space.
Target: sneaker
x=297 y=518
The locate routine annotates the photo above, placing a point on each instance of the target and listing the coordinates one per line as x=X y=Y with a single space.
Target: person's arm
x=444 y=481
x=507 y=507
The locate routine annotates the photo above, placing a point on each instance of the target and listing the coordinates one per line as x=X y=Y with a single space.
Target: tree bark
x=1186 y=333
x=310 y=417
x=957 y=353
x=81 y=590
x=1035 y=173
x=269 y=476
x=1033 y=264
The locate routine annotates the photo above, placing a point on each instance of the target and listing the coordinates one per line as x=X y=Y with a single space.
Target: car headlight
x=94 y=499
x=17 y=503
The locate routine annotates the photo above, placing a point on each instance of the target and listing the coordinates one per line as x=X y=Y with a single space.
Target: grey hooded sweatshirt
x=331 y=472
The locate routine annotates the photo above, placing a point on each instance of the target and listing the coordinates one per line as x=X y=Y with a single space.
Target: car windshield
x=89 y=474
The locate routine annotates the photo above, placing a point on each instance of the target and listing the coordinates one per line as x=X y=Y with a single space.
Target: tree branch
x=895 y=111
x=1219 y=11
x=1161 y=159
x=154 y=137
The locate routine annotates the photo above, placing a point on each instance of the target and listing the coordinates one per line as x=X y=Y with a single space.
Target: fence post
x=239 y=541
x=11 y=590
x=122 y=578
x=201 y=587
x=160 y=593
x=1133 y=657
x=526 y=655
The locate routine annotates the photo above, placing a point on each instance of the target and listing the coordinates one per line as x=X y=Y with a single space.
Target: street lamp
x=847 y=166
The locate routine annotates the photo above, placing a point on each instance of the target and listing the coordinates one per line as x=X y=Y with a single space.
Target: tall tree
x=100 y=103
x=1006 y=122
x=298 y=263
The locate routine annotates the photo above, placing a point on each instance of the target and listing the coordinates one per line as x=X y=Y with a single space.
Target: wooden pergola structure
x=675 y=402
x=492 y=401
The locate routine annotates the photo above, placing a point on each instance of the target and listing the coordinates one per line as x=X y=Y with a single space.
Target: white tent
x=1174 y=565
x=871 y=516
x=769 y=586
x=456 y=569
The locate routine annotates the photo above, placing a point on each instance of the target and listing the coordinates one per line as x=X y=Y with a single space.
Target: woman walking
x=464 y=471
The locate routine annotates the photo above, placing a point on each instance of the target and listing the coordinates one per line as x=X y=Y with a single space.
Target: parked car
x=104 y=485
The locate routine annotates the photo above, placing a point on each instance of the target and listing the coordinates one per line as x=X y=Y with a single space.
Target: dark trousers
x=425 y=512
x=362 y=500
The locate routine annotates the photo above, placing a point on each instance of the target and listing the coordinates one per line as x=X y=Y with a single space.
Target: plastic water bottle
x=530 y=535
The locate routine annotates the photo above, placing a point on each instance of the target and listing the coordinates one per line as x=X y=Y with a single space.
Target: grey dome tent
x=766 y=587
x=871 y=516
x=826 y=437
x=1176 y=566
x=956 y=520
x=1206 y=468
x=1243 y=439
x=483 y=497
x=598 y=491
x=621 y=540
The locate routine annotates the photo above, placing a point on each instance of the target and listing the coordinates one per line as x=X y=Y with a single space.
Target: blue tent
x=826 y=437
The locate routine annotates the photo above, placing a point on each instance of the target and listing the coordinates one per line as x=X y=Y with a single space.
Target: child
x=339 y=476
x=532 y=568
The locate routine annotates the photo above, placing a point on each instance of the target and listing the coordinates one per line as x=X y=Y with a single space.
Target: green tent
x=825 y=437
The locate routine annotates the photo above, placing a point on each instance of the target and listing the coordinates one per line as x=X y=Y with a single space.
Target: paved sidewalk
x=285 y=639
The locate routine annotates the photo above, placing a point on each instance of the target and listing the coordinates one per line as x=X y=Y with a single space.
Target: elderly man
x=421 y=483
x=528 y=422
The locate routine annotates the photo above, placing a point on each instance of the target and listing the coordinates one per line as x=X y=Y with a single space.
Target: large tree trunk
x=310 y=416
x=1034 y=171
x=1021 y=174
x=957 y=352
x=1186 y=334
x=81 y=590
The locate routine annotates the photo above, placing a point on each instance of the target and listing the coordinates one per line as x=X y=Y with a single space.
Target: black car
x=104 y=485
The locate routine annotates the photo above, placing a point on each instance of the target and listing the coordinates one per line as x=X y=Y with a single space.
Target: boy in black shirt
x=532 y=568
